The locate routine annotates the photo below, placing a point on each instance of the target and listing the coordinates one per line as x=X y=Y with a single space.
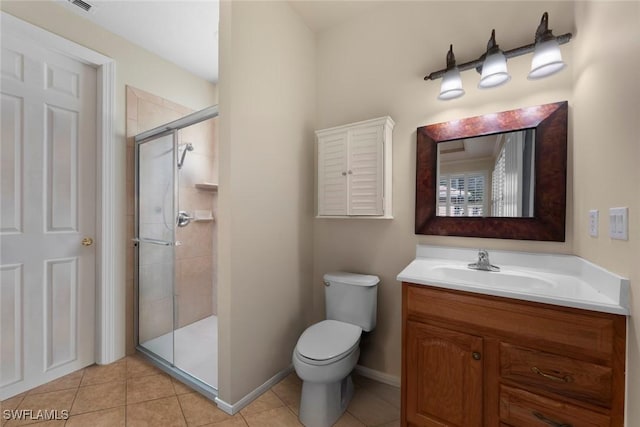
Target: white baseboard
x=232 y=409
x=224 y=406
x=378 y=376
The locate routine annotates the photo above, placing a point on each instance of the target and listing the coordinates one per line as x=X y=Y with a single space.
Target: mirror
x=489 y=175
x=519 y=196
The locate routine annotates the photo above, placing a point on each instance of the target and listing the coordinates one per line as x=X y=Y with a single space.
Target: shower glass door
x=175 y=235
x=155 y=231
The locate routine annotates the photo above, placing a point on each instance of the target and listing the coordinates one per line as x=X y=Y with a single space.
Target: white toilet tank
x=352 y=298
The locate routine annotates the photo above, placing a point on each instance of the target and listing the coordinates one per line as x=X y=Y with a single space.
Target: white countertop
x=563 y=280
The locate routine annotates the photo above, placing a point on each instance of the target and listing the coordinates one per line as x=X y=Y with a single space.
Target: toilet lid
x=328 y=339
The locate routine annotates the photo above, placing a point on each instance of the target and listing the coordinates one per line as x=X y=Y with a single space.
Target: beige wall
x=373 y=66
x=606 y=122
x=267 y=94
x=366 y=68
x=134 y=66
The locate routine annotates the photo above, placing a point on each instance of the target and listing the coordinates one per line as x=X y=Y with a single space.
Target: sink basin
x=513 y=280
x=564 y=280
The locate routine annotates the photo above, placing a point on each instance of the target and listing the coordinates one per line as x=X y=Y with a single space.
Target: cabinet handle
x=349 y=172
x=565 y=379
x=476 y=355
x=344 y=174
x=549 y=421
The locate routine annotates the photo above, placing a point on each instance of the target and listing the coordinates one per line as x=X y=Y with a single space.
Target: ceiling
x=322 y=14
x=185 y=32
x=481 y=147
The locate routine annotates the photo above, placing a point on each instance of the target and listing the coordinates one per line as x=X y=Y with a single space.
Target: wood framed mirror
x=477 y=208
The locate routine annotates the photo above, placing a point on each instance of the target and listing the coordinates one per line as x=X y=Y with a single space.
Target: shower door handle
x=152 y=241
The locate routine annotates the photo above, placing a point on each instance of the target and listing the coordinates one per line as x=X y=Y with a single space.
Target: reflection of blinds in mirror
x=462 y=194
x=507 y=185
x=497 y=182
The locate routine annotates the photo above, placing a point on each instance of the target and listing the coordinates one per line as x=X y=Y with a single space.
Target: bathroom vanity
x=547 y=351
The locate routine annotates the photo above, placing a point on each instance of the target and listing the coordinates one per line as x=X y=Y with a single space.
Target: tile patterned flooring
x=133 y=393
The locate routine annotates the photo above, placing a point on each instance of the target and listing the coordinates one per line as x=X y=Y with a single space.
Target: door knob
x=87 y=241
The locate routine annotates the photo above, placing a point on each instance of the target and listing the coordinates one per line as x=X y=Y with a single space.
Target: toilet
x=327 y=351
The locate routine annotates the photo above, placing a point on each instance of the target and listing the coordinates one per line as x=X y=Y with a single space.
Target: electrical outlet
x=618 y=223
x=593 y=223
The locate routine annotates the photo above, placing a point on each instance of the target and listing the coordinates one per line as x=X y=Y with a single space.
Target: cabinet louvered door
x=332 y=176
x=365 y=171
x=354 y=170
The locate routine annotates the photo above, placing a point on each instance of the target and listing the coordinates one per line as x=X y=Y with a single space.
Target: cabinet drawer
x=583 y=333
x=569 y=377
x=524 y=409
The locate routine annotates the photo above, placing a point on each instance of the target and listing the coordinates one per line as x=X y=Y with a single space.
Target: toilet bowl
x=325 y=355
x=327 y=351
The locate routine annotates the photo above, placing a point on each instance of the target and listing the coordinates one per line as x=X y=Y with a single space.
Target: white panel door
x=48 y=206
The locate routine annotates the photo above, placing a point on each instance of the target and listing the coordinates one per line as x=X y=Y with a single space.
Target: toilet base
x=322 y=404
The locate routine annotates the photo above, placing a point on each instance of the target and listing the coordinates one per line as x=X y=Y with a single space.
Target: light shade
x=451 y=85
x=547 y=60
x=494 y=71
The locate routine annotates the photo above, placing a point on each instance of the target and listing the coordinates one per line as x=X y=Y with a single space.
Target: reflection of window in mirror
x=462 y=194
x=492 y=175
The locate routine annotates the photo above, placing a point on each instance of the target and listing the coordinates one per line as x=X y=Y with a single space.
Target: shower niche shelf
x=202 y=215
x=207 y=186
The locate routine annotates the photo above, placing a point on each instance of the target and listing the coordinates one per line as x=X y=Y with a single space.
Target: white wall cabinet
x=354 y=169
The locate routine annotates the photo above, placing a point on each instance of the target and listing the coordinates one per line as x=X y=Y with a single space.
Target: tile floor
x=131 y=392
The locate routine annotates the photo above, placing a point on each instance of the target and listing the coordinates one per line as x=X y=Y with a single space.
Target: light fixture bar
x=518 y=51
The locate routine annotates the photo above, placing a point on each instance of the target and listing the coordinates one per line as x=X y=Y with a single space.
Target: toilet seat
x=327 y=341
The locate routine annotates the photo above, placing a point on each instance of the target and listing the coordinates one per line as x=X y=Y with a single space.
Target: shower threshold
x=193 y=348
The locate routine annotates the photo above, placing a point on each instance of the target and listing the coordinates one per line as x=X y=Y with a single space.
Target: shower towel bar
x=154 y=241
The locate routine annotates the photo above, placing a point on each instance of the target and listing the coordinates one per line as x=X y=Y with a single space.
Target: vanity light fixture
x=492 y=65
x=451 y=83
x=547 y=58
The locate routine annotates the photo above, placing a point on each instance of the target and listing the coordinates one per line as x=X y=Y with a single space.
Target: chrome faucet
x=483 y=262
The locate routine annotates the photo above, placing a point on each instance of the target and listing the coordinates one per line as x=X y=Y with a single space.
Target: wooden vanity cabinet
x=477 y=360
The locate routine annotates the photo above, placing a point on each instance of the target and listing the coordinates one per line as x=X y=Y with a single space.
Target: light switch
x=593 y=223
x=618 y=223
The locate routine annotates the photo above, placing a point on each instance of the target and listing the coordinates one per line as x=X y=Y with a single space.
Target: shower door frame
x=138 y=239
x=148 y=137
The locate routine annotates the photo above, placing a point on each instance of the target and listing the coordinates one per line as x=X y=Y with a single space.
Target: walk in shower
x=175 y=242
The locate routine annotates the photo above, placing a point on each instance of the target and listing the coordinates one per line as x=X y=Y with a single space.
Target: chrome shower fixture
x=187 y=146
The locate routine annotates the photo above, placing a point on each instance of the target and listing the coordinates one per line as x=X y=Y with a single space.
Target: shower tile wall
x=195 y=259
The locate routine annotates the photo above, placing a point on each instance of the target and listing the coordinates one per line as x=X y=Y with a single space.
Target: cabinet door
x=443 y=377
x=332 y=174
x=365 y=171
